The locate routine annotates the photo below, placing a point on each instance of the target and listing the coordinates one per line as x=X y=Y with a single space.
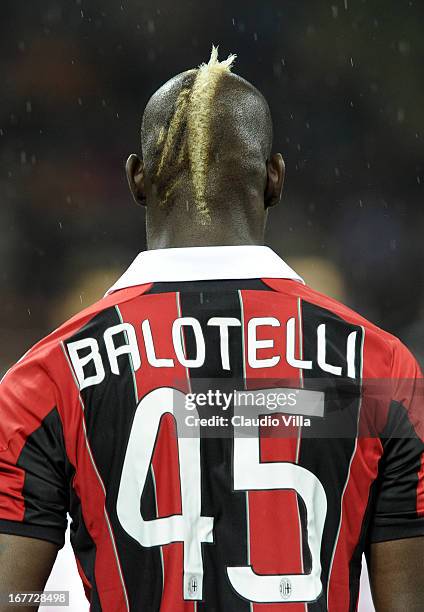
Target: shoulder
x=43 y=355
x=400 y=357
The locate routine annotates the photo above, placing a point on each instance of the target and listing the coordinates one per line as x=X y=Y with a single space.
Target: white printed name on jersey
x=87 y=350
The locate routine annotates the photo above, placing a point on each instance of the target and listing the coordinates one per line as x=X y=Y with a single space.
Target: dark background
x=345 y=84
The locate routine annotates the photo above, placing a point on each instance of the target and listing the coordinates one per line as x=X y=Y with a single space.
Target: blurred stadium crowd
x=345 y=84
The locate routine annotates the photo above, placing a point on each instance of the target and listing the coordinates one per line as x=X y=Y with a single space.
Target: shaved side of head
x=206 y=133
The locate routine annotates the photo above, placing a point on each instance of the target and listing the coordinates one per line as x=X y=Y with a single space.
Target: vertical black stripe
x=109 y=413
x=46 y=466
x=399 y=467
x=355 y=564
x=322 y=454
x=218 y=498
x=84 y=548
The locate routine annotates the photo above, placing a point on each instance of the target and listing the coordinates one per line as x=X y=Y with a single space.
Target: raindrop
x=404 y=47
x=151 y=26
x=23 y=158
x=400 y=115
x=80 y=101
x=345 y=5
x=335 y=11
x=60 y=225
x=255 y=36
x=28 y=106
x=277 y=70
x=351 y=61
x=418 y=180
x=336 y=171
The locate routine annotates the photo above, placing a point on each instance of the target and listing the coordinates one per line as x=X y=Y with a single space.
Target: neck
x=230 y=225
x=182 y=237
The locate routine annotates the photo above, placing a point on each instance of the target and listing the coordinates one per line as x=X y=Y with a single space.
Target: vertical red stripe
x=363 y=471
x=420 y=489
x=275 y=536
x=161 y=311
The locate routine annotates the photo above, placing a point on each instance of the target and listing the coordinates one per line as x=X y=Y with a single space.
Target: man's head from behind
x=206 y=175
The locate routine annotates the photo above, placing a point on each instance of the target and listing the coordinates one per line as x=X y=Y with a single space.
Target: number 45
x=193 y=529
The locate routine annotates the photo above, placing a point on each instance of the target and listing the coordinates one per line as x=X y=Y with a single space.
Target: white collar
x=204 y=263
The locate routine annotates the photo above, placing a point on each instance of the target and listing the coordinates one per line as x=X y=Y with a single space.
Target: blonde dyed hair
x=186 y=141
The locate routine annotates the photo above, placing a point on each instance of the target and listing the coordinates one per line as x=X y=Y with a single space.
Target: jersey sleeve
x=33 y=464
x=399 y=494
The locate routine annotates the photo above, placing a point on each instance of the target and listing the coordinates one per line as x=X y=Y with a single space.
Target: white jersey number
x=193 y=529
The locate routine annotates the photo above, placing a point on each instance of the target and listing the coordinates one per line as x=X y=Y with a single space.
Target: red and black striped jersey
x=223 y=438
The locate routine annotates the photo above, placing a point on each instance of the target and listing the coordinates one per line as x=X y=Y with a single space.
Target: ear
x=134 y=169
x=275 y=180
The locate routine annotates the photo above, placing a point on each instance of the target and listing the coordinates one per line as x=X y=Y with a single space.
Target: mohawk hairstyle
x=186 y=138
